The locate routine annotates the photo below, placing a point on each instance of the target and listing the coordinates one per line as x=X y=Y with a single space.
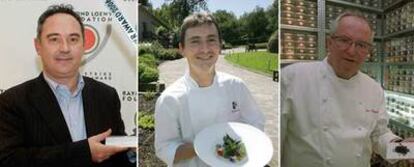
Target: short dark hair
x=197 y=19
x=55 y=9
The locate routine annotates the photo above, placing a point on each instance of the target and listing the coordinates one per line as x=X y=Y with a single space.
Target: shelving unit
x=400 y=33
x=357 y=6
x=285 y=62
x=298 y=28
x=394 y=4
x=321 y=29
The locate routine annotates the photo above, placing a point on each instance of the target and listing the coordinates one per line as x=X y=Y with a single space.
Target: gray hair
x=354 y=13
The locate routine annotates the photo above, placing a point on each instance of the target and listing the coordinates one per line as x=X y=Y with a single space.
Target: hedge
x=147 y=74
x=158 y=51
x=272 y=44
x=145 y=120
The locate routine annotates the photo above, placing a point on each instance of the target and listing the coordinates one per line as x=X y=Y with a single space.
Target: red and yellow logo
x=91 y=39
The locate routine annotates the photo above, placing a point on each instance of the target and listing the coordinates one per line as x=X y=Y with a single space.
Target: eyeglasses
x=343 y=42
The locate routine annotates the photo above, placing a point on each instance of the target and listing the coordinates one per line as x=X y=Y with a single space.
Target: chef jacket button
x=324 y=100
x=360 y=103
x=359 y=128
x=324 y=76
x=325 y=128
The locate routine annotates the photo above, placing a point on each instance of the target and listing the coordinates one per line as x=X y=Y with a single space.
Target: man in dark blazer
x=60 y=119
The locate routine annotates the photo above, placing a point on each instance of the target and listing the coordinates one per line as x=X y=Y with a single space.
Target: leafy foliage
x=145 y=120
x=158 y=51
x=174 y=11
x=150 y=95
x=231 y=149
x=150 y=47
x=168 y=54
x=272 y=16
x=147 y=74
x=272 y=44
x=148 y=59
x=149 y=56
x=230 y=29
x=253 y=27
x=145 y=3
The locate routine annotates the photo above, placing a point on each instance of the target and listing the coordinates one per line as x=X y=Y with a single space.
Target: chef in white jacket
x=201 y=98
x=333 y=115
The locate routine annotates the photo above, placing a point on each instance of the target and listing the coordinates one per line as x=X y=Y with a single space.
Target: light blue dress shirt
x=71 y=105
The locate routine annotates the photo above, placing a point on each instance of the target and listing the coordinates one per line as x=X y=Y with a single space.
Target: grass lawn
x=257 y=61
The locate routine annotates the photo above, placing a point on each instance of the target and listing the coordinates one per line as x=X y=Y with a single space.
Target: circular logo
x=91 y=39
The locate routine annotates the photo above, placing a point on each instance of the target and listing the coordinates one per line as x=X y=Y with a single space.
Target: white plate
x=258 y=145
x=122 y=141
x=393 y=154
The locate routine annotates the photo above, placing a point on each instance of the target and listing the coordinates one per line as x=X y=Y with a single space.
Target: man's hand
x=184 y=151
x=133 y=149
x=99 y=151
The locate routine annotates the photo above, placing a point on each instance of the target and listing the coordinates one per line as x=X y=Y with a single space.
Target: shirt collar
x=56 y=86
x=332 y=73
x=194 y=84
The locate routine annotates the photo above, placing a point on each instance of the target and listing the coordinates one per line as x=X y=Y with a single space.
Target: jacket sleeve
x=382 y=135
x=118 y=125
x=285 y=107
x=122 y=159
x=167 y=128
x=16 y=152
x=251 y=113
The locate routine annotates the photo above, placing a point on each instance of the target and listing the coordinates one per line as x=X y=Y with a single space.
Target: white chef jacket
x=184 y=109
x=329 y=121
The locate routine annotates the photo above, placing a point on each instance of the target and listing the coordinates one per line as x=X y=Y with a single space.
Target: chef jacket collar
x=194 y=84
x=331 y=73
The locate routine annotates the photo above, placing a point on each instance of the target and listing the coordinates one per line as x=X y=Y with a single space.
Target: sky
x=238 y=7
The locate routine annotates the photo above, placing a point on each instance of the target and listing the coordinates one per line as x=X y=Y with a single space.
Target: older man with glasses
x=333 y=114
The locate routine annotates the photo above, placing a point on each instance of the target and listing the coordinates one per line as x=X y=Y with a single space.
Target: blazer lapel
x=48 y=106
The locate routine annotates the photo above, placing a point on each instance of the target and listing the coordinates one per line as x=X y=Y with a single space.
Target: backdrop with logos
x=110 y=49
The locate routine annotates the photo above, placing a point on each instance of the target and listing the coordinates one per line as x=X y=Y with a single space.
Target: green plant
x=146 y=120
x=147 y=74
x=168 y=54
x=159 y=52
x=148 y=59
x=144 y=48
x=161 y=31
x=151 y=47
x=149 y=95
x=272 y=44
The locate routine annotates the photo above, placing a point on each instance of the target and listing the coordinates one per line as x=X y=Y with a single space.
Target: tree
x=174 y=11
x=255 y=25
x=272 y=16
x=145 y=3
x=227 y=22
x=166 y=14
x=182 y=8
x=272 y=44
